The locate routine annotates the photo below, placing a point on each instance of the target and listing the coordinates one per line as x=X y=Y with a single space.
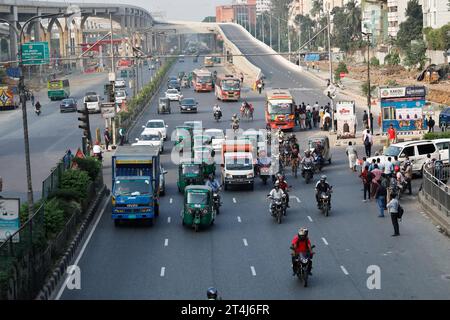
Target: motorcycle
x=307 y=172
x=319 y=163
x=301 y=266
x=324 y=202
x=38 y=111
x=264 y=172
x=235 y=125
x=278 y=208
x=217 y=115
x=216 y=201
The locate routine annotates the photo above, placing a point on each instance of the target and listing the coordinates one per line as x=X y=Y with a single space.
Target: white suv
x=416 y=150
x=92 y=101
x=157 y=124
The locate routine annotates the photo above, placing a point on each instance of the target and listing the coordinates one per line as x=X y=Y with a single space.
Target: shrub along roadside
x=436 y=135
x=70 y=199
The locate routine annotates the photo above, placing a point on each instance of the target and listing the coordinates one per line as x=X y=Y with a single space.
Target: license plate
x=132 y=216
x=188 y=109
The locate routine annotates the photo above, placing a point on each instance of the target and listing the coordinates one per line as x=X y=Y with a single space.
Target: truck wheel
x=157 y=210
x=117 y=223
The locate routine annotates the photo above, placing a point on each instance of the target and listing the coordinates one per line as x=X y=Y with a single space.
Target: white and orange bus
x=202 y=80
x=279 y=109
x=228 y=87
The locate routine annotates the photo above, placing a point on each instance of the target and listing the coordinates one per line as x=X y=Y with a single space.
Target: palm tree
x=353 y=19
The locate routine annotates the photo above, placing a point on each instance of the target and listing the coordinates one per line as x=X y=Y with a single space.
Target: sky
x=190 y=10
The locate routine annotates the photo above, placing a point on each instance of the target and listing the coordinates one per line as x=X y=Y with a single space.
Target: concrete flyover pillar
x=78 y=41
x=13 y=36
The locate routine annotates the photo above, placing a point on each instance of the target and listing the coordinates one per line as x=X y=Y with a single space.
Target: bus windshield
x=230 y=85
x=280 y=107
x=204 y=79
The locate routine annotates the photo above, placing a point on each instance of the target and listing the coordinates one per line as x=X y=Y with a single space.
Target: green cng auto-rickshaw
x=189 y=173
x=198 y=208
x=204 y=155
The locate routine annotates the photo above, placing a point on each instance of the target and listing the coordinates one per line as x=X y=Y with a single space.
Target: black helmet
x=212 y=293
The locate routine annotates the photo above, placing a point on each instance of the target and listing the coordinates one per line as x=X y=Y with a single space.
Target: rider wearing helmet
x=212 y=294
x=283 y=186
x=308 y=159
x=322 y=186
x=216 y=108
x=301 y=245
x=275 y=193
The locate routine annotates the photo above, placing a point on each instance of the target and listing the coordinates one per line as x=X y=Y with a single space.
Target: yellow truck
x=9 y=98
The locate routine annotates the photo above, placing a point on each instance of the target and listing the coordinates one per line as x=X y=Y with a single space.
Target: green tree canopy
x=411 y=28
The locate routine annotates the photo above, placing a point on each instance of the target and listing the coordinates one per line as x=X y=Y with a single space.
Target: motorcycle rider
x=217 y=109
x=235 y=121
x=283 y=186
x=322 y=186
x=275 y=194
x=301 y=245
x=37 y=107
x=307 y=160
x=212 y=294
x=214 y=185
x=97 y=150
x=263 y=160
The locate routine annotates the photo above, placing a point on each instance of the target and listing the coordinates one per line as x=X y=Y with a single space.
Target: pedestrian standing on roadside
x=368 y=142
x=392 y=207
x=122 y=135
x=431 y=124
x=371 y=122
x=392 y=135
x=316 y=105
x=297 y=114
x=242 y=78
x=366 y=179
x=380 y=196
x=352 y=156
x=107 y=137
x=309 y=119
x=321 y=114
x=376 y=172
x=365 y=119
x=316 y=117
x=372 y=165
x=396 y=162
x=302 y=120
x=32 y=99
x=380 y=165
x=407 y=171
x=388 y=167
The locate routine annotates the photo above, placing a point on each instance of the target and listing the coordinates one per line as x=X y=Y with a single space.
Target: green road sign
x=123 y=73
x=35 y=53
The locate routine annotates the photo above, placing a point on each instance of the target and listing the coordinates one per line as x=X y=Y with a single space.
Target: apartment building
x=263 y=5
x=375 y=19
x=436 y=13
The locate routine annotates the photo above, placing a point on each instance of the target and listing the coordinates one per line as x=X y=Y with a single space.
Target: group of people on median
x=308 y=117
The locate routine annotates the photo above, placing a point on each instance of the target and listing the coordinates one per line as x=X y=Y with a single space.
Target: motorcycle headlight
x=304 y=260
x=205 y=211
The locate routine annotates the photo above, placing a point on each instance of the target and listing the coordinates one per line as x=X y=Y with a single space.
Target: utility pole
x=330 y=58
x=279 y=36
x=369 y=93
x=262 y=27
x=289 y=40
x=270 y=29
x=299 y=40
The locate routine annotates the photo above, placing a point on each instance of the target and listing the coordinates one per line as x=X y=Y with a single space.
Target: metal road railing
x=436 y=187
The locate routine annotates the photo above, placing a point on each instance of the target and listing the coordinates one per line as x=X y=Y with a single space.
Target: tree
x=411 y=28
x=346 y=27
x=209 y=19
x=392 y=59
x=415 y=55
x=317 y=8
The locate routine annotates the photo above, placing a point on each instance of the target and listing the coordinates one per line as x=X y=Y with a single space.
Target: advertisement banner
x=9 y=218
x=396 y=92
x=419 y=91
x=404 y=115
x=346 y=127
x=344 y=109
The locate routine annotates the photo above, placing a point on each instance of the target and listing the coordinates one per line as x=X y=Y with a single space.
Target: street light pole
x=23 y=100
x=369 y=93
x=270 y=29
x=330 y=58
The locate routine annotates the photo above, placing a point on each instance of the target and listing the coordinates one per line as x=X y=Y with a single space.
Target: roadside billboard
x=346 y=119
x=9 y=218
x=403 y=107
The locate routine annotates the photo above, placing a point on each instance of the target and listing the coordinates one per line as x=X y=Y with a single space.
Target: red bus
x=228 y=87
x=279 y=110
x=202 y=80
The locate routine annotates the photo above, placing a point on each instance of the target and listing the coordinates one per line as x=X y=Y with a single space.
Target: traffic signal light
x=84 y=121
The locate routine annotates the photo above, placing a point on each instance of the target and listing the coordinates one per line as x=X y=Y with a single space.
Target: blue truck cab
x=135 y=184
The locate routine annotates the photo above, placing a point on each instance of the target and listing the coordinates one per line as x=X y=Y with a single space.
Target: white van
x=92 y=101
x=416 y=150
x=443 y=145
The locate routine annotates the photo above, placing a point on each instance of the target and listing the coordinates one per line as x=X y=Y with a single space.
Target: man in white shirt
x=308 y=107
x=388 y=167
x=368 y=142
x=97 y=150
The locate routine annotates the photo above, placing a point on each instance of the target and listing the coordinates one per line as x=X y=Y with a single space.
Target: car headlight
x=250 y=175
x=228 y=175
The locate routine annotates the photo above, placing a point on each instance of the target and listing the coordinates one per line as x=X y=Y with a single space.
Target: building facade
x=436 y=13
x=224 y=14
x=375 y=20
x=263 y=5
x=242 y=12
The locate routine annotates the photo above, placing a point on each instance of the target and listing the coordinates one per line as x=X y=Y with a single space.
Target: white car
x=119 y=83
x=157 y=124
x=120 y=96
x=174 y=95
x=150 y=137
x=92 y=101
x=416 y=150
x=217 y=138
x=443 y=145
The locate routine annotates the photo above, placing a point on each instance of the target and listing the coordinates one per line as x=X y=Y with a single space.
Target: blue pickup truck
x=444 y=118
x=135 y=184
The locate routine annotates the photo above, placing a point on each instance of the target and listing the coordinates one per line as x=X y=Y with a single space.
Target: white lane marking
x=253 y=270
x=325 y=241
x=163 y=271
x=166 y=242
x=83 y=248
x=310 y=219
x=170 y=200
x=234 y=200
x=239 y=219
x=245 y=242
x=344 y=270
x=296 y=198
x=168 y=219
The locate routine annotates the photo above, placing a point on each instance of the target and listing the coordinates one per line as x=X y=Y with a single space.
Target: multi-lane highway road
x=246 y=254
